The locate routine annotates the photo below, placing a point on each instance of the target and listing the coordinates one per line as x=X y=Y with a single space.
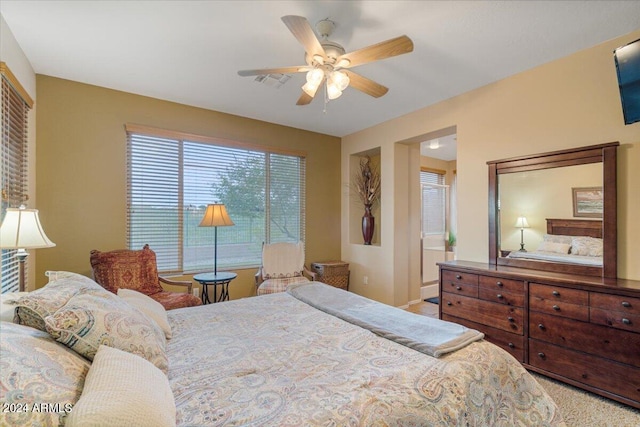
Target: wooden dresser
x=581 y=330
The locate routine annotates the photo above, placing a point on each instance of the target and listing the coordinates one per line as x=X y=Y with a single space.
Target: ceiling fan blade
x=304 y=99
x=281 y=70
x=365 y=85
x=387 y=49
x=301 y=29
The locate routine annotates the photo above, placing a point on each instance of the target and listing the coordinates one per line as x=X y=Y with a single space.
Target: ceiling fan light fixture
x=319 y=59
x=310 y=88
x=315 y=76
x=333 y=91
x=340 y=79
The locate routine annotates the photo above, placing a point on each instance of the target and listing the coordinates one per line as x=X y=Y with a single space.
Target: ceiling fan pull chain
x=326 y=98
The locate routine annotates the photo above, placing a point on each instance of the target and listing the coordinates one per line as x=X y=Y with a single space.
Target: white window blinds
x=15 y=110
x=434 y=199
x=171 y=181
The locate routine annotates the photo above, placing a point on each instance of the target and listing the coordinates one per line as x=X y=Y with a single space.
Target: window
x=172 y=178
x=15 y=110
x=434 y=202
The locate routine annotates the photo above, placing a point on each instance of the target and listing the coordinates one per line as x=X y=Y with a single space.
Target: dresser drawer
x=628 y=305
x=499 y=284
x=602 y=341
x=616 y=319
x=511 y=343
x=487 y=313
x=622 y=380
x=460 y=283
x=572 y=303
x=507 y=298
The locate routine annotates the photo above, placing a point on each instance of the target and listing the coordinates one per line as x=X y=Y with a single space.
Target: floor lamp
x=21 y=230
x=215 y=216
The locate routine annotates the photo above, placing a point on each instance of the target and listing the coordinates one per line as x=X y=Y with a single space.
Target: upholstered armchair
x=282 y=265
x=137 y=270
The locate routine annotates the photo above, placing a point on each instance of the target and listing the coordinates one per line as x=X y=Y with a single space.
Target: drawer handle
x=449 y=303
x=499 y=296
x=458 y=288
x=541 y=355
x=556 y=293
x=511 y=345
x=626 y=321
x=541 y=326
x=458 y=276
x=510 y=319
x=626 y=304
x=500 y=284
x=556 y=308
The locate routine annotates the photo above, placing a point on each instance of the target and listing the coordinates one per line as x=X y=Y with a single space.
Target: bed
x=314 y=355
x=568 y=241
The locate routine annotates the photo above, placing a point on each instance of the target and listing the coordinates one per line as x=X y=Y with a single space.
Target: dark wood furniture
x=582 y=330
x=602 y=153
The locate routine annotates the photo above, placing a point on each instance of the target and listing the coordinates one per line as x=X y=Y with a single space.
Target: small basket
x=334 y=273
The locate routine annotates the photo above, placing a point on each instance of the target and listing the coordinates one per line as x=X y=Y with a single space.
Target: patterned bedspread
x=275 y=361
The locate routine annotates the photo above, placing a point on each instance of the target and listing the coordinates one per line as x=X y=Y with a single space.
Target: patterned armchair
x=137 y=270
x=282 y=265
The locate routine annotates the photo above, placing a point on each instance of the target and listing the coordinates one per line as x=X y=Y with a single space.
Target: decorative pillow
x=557 y=238
x=36 y=370
x=7 y=309
x=281 y=260
x=122 y=389
x=126 y=268
x=90 y=319
x=56 y=275
x=558 y=248
x=35 y=306
x=150 y=307
x=586 y=246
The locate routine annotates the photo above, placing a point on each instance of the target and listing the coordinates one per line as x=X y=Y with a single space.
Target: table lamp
x=21 y=230
x=522 y=223
x=215 y=216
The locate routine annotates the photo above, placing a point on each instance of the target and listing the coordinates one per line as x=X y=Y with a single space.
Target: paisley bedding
x=273 y=360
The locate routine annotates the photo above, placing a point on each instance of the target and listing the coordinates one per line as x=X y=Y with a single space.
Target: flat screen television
x=627 y=59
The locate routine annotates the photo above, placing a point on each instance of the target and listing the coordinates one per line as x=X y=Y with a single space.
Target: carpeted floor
x=578 y=407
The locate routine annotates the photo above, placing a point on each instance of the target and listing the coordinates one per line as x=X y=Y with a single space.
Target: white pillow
x=7 y=310
x=122 y=389
x=558 y=248
x=152 y=308
x=586 y=246
x=557 y=238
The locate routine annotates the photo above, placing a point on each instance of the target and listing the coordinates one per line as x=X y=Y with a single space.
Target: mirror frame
x=602 y=153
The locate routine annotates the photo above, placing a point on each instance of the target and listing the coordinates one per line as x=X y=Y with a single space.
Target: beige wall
x=81 y=166
x=571 y=102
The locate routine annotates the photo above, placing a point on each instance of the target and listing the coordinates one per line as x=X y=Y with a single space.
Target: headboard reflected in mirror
x=591 y=244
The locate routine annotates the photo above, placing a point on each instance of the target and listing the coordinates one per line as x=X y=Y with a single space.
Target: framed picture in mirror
x=588 y=202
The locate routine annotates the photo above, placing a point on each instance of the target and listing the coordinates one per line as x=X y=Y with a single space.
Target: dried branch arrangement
x=367 y=182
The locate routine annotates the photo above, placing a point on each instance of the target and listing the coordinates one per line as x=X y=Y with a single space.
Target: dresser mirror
x=555 y=211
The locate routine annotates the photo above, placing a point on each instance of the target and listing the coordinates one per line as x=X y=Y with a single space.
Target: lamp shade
x=215 y=216
x=521 y=222
x=21 y=229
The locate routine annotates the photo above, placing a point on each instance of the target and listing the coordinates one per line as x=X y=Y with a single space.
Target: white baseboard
x=429 y=291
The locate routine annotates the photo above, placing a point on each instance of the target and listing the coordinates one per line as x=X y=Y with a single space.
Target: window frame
x=187 y=139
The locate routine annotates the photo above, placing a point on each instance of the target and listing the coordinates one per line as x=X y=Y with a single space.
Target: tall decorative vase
x=368 y=225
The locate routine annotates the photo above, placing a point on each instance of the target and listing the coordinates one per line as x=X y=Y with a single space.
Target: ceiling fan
x=327 y=61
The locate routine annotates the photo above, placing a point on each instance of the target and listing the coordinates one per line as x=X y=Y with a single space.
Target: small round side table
x=223 y=279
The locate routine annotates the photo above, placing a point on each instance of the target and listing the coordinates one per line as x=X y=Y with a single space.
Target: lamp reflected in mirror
x=522 y=223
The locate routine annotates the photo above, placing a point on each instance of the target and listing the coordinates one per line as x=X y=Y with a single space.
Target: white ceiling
x=190 y=51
